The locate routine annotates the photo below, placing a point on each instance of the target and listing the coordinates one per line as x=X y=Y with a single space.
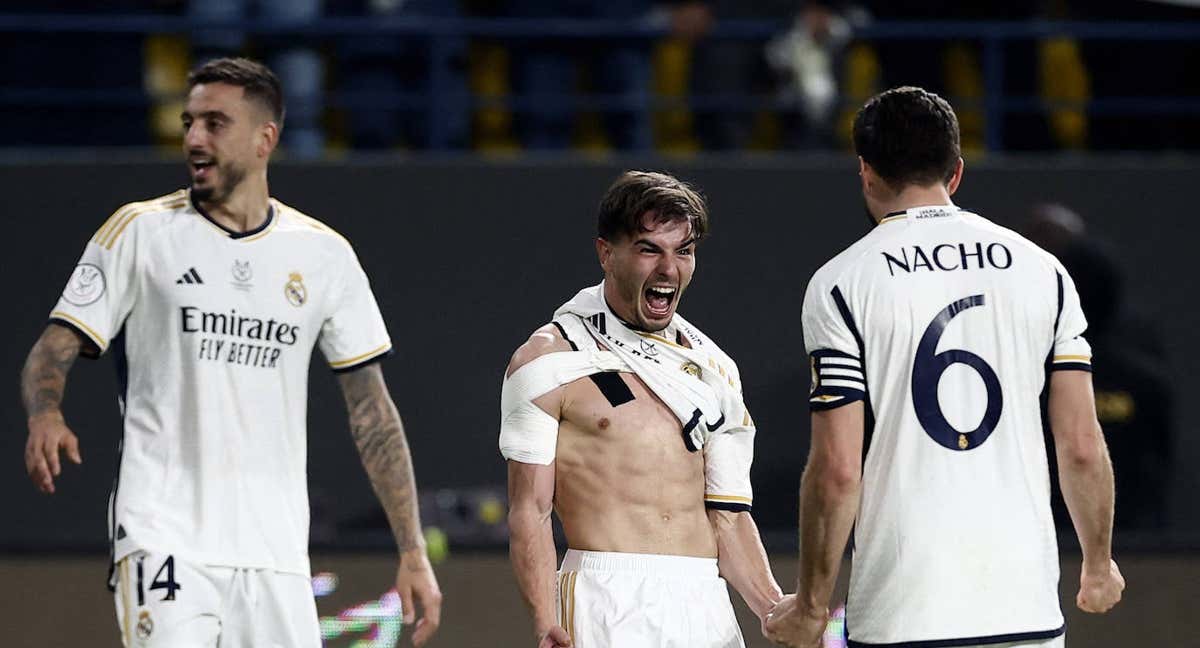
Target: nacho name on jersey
x=255 y=342
x=947 y=257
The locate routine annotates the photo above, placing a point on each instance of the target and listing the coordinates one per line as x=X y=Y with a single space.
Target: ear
x=955 y=178
x=268 y=139
x=870 y=180
x=604 y=252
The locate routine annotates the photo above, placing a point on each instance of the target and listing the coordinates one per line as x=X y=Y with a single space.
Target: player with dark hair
x=218 y=294
x=629 y=423
x=931 y=339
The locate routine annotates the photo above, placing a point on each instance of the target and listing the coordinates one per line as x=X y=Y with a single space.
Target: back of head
x=257 y=81
x=909 y=136
x=636 y=193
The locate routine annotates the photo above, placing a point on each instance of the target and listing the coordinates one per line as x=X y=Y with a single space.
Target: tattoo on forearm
x=379 y=435
x=44 y=377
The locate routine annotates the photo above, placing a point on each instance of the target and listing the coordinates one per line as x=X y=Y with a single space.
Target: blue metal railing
x=439 y=35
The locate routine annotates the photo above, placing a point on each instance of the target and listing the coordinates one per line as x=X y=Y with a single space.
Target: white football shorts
x=163 y=601
x=632 y=600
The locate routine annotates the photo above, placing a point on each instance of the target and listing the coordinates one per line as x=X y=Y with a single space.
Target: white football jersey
x=218 y=331
x=946 y=324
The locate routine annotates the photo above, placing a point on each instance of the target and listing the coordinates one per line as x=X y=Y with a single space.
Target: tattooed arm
x=379 y=435
x=43 y=381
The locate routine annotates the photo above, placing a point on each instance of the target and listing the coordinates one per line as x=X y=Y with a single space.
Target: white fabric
x=644 y=601
x=660 y=364
x=1057 y=642
x=527 y=433
x=214 y=607
x=219 y=331
x=716 y=395
x=954 y=536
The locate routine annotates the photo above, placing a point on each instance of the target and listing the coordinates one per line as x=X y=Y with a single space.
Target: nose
x=193 y=136
x=667 y=267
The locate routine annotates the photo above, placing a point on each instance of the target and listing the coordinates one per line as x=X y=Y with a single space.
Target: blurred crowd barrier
x=678 y=77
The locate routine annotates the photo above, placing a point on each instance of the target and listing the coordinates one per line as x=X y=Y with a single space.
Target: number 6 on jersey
x=928 y=368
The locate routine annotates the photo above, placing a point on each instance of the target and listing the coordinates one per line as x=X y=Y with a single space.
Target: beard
x=230 y=176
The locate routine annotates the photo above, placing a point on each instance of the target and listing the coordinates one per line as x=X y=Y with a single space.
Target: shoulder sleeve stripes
x=1069 y=362
x=112 y=228
x=837 y=379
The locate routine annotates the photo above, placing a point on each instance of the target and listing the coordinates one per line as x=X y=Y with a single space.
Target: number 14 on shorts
x=164 y=579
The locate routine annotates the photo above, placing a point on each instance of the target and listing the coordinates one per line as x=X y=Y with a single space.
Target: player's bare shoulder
x=546 y=339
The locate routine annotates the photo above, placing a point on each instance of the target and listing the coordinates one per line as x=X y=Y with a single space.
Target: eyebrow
x=208 y=114
x=649 y=243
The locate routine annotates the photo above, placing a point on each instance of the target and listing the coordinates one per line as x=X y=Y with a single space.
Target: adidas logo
x=190 y=277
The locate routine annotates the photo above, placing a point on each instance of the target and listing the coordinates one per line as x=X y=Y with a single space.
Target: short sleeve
x=727 y=460
x=834 y=347
x=354 y=334
x=1071 y=349
x=102 y=289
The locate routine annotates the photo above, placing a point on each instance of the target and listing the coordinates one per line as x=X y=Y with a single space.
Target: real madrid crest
x=691 y=368
x=145 y=625
x=294 y=290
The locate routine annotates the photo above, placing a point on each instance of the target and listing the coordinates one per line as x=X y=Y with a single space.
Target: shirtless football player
x=629 y=423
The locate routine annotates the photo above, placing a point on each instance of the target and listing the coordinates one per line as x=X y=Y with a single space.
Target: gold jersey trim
x=336 y=364
x=736 y=499
x=112 y=228
x=101 y=343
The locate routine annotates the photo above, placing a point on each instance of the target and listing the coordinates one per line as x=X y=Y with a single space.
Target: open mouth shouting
x=202 y=167
x=660 y=301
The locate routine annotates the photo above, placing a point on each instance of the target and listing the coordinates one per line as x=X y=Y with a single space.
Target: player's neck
x=246 y=209
x=914 y=196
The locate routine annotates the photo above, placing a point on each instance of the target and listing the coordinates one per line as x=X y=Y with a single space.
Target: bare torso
x=624 y=481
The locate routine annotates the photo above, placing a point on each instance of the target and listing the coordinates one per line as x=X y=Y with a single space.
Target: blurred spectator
x=1133 y=395
x=951 y=68
x=723 y=68
x=385 y=80
x=807 y=57
x=1054 y=227
x=294 y=59
x=550 y=74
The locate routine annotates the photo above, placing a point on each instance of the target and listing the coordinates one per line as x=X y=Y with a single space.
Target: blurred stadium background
x=462 y=146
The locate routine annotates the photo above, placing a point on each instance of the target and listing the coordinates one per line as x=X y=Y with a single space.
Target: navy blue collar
x=232 y=234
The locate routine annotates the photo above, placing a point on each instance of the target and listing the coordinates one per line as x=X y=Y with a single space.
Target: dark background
x=468 y=257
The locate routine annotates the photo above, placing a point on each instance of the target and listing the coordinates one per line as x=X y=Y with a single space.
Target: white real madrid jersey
x=946 y=324
x=218 y=331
